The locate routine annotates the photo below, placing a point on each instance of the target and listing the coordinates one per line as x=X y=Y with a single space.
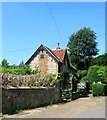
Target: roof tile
x=60 y=53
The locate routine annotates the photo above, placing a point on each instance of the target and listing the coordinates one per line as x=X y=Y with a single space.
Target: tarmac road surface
x=88 y=107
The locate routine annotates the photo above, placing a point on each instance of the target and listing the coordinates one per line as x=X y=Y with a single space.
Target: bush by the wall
x=75 y=95
x=96 y=74
x=92 y=75
x=34 y=80
x=81 y=88
x=82 y=73
x=67 y=93
x=98 y=89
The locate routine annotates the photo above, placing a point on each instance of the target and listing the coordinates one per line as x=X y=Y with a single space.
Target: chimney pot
x=57 y=46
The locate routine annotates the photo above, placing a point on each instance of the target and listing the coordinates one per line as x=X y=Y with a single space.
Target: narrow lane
x=81 y=108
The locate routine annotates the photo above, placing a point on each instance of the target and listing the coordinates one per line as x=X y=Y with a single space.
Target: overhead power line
x=17 y=50
x=26 y=49
x=53 y=18
x=101 y=35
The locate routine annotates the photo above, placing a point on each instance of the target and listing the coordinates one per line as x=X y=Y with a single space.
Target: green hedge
x=98 y=89
x=75 y=95
x=67 y=93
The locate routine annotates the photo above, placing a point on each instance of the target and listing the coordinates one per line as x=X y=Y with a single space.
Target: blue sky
x=26 y=25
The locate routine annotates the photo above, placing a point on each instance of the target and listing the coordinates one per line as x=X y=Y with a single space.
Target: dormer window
x=42 y=56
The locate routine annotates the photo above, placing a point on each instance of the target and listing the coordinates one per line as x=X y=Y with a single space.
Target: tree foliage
x=21 y=65
x=97 y=74
x=4 y=63
x=82 y=47
x=101 y=60
x=20 y=69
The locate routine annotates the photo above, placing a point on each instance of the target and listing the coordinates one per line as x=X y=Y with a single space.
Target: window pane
x=42 y=56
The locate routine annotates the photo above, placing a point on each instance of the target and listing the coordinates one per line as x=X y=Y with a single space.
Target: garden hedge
x=98 y=89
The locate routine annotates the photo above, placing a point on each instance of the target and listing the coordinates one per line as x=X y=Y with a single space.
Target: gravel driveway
x=88 y=107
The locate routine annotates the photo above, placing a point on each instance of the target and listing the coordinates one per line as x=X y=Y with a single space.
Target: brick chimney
x=57 y=48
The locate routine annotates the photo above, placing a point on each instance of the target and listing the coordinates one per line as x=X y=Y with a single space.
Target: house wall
x=46 y=64
x=43 y=62
x=64 y=67
x=52 y=66
x=34 y=63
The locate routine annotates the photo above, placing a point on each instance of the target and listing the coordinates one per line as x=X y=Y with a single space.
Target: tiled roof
x=60 y=53
x=51 y=52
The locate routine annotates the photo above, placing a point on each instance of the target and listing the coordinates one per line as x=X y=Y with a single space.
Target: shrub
x=34 y=80
x=84 y=79
x=82 y=73
x=81 y=88
x=31 y=82
x=19 y=71
x=67 y=93
x=64 y=79
x=14 y=83
x=92 y=75
x=75 y=95
x=102 y=74
x=96 y=74
x=98 y=89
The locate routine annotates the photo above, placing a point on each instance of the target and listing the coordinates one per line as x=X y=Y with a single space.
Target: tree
x=4 y=63
x=101 y=60
x=21 y=65
x=82 y=47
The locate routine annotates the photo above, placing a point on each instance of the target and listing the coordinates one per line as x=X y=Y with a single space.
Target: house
x=50 y=61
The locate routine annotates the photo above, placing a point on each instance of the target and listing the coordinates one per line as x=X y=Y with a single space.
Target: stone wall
x=46 y=64
x=52 y=66
x=43 y=62
x=24 y=98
